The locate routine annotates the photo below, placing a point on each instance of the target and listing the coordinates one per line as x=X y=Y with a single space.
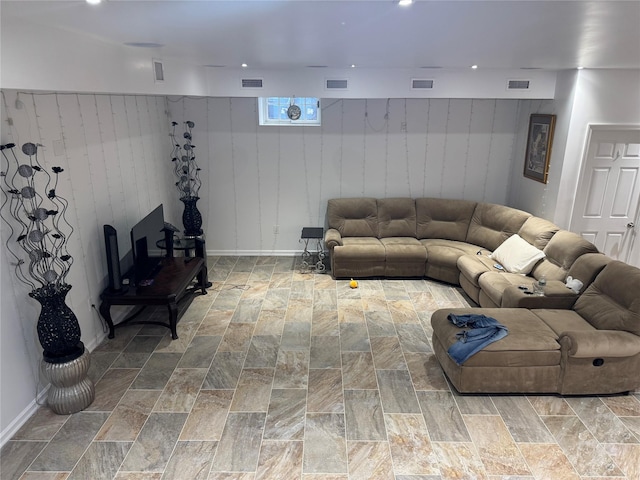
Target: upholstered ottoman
x=527 y=360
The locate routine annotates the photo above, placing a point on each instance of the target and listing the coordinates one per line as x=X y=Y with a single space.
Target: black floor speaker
x=113 y=259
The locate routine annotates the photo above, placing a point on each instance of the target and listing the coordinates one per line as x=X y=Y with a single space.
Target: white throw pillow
x=517 y=255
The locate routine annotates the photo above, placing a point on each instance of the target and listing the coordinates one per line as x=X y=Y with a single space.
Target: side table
x=314 y=235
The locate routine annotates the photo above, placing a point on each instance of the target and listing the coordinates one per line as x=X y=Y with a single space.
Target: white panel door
x=608 y=199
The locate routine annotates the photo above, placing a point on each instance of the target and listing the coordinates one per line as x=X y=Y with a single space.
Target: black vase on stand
x=65 y=361
x=191 y=217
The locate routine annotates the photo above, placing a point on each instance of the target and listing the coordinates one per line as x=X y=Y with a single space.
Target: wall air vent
x=518 y=85
x=421 y=83
x=337 y=84
x=158 y=71
x=251 y=83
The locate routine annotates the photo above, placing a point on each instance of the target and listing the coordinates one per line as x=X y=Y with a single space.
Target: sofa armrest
x=600 y=343
x=556 y=295
x=332 y=238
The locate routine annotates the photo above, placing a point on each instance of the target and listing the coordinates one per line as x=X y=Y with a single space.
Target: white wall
x=603 y=97
x=115 y=152
x=255 y=178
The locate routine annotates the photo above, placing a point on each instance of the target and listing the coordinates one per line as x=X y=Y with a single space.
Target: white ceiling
x=285 y=34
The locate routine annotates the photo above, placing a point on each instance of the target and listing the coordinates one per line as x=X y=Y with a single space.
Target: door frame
x=591 y=129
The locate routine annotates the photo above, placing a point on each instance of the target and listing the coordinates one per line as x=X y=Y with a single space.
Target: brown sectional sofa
x=451 y=240
x=592 y=348
x=563 y=342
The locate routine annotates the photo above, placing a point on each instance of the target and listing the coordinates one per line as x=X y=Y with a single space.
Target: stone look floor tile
x=191 y=460
x=208 y=415
x=459 y=460
x=363 y=414
x=521 y=419
x=43 y=425
x=548 y=461
x=69 y=444
x=325 y=444
x=584 y=452
x=498 y=451
x=181 y=390
x=128 y=418
x=442 y=417
x=101 y=461
x=358 y=371
x=279 y=460
x=152 y=449
x=239 y=445
x=410 y=445
x=111 y=387
x=286 y=415
x=396 y=392
x=387 y=353
x=325 y=391
x=280 y=374
x=16 y=456
x=254 y=388
x=368 y=460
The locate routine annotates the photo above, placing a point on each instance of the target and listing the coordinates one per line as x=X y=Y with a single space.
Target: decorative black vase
x=191 y=217
x=58 y=328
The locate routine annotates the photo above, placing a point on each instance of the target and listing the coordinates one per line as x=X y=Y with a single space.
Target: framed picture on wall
x=538 y=153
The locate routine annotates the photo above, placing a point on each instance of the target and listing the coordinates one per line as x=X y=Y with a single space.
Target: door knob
x=631 y=225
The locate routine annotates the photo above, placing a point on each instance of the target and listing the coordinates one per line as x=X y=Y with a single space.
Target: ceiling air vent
x=251 y=83
x=421 y=83
x=337 y=84
x=518 y=85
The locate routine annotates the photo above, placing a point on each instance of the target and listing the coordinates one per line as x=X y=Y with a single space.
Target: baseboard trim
x=8 y=433
x=254 y=253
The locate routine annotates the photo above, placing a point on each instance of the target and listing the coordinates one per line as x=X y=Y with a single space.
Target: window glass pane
x=273 y=111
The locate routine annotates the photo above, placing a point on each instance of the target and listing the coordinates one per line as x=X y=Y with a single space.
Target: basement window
x=289 y=111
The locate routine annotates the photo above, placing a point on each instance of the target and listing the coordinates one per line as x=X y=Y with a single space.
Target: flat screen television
x=144 y=237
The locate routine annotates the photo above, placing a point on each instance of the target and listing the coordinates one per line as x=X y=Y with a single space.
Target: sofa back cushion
x=443 y=218
x=492 y=224
x=538 y=231
x=396 y=217
x=612 y=301
x=560 y=253
x=353 y=217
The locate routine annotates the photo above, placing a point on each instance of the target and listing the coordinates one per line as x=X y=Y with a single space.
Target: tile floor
x=283 y=375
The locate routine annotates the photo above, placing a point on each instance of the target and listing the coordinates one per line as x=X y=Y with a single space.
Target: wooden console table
x=169 y=286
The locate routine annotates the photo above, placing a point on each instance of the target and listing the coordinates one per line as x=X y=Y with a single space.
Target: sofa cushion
x=538 y=231
x=560 y=320
x=517 y=255
x=492 y=224
x=396 y=217
x=530 y=342
x=612 y=301
x=446 y=252
x=353 y=217
x=443 y=218
x=560 y=253
x=472 y=266
x=494 y=283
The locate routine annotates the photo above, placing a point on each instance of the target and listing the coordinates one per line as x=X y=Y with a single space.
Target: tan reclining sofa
x=451 y=240
x=592 y=348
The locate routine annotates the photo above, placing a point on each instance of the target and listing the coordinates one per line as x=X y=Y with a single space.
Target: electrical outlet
x=276 y=229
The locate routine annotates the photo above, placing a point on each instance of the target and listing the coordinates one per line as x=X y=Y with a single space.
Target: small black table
x=169 y=286
x=308 y=258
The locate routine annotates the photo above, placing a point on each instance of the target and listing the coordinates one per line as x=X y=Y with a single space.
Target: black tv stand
x=169 y=286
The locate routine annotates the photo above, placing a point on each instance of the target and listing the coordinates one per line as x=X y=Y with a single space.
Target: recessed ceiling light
x=405 y=3
x=93 y=2
x=474 y=67
x=353 y=65
x=580 y=68
x=244 y=65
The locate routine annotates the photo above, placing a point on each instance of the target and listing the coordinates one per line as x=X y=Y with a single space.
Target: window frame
x=302 y=102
